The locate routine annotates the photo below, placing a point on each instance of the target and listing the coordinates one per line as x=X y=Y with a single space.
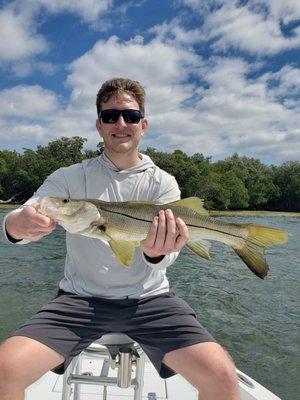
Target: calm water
x=255 y=320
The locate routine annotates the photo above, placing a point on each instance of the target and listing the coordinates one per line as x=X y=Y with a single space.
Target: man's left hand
x=167 y=234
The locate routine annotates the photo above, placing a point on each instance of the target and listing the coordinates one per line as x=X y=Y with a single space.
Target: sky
x=221 y=76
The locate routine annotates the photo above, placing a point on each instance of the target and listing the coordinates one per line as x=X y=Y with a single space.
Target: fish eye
x=66 y=200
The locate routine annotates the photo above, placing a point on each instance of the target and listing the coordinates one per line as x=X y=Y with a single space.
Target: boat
x=115 y=372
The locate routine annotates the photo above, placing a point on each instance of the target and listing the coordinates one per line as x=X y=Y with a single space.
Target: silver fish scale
x=132 y=220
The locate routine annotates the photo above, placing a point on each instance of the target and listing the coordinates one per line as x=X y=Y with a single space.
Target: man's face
x=121 y=137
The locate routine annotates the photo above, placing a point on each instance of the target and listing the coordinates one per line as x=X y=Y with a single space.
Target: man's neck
x=124 y=161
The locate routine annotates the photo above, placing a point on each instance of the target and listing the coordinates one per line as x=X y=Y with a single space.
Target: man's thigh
x=66 y=325
x=165 y=323
x=200 y=362
x=24 y=360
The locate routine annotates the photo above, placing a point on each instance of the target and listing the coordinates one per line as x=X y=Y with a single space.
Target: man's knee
x=24 y=360
x=226 y=375
x=223 y=378
x=8 y=369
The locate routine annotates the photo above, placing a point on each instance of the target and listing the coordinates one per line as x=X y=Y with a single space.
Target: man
x=96 y=294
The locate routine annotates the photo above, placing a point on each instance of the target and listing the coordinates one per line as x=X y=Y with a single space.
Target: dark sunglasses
x=111 y=116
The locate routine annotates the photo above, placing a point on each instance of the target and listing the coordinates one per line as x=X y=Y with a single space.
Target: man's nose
x=121 y=122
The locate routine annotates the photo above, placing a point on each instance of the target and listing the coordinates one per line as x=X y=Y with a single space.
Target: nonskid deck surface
x=49 y=387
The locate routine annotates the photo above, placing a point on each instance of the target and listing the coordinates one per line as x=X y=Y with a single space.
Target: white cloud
x=285 y=84
x=20 y=42
x=230 y=112
x=25 y=115
x=173 y=32
x=254 y=27
x=88 y=10
x=27 y=101
x=18 y=36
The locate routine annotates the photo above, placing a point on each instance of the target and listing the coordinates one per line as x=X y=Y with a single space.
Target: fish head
x=74 y=215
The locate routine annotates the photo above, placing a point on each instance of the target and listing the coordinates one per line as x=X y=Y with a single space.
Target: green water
x=255 y=320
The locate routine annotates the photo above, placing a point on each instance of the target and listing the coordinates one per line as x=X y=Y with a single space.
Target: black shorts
x=70 y=323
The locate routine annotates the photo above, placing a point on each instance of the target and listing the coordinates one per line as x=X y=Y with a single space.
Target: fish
x=125 y=224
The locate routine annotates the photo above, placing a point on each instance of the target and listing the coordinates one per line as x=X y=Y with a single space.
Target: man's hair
x=116 y=86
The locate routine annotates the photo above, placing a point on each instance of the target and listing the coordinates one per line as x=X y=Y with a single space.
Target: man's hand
x=29 y=224
x=166 y=235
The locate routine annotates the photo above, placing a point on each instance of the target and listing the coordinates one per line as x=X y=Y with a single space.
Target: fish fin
x=252 y=253
x=193 y=203
x=123 y=250
x=200 y=247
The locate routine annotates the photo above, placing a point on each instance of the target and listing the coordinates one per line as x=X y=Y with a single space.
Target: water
x=255 y=320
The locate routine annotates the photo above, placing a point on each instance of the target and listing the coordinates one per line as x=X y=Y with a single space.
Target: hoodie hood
x=144 y=164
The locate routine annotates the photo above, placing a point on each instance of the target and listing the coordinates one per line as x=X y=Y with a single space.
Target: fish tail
x=252 y=252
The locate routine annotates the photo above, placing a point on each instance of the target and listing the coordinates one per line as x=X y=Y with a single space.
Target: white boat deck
x=49 y=387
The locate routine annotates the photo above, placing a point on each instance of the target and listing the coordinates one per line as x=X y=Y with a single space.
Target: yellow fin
x=193 y=203
x=252 y=253
x=123 y=250
x=200 y=248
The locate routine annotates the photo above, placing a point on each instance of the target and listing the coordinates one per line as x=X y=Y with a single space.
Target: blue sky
x=221 y=76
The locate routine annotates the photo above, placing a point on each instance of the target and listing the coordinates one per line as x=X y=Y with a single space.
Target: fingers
x=151 y=237
x=183 y=235
x=166 y=235
x=169 y=233
x=29 y=224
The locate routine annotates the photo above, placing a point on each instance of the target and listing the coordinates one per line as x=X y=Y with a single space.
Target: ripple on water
x=256 y=320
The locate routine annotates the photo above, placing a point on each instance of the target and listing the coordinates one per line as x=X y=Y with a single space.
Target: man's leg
x=22 y=362
x=208 y=368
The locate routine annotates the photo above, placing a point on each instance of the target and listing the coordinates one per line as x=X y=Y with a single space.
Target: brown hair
x=116 y=86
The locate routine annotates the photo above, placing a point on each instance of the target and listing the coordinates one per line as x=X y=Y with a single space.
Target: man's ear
x=145 y=124
x=98 y=126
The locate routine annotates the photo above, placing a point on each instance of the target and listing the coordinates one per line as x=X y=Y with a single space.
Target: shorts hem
x=52 y=347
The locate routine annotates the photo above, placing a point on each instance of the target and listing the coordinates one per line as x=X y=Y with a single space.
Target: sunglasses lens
x=111 y=116
x=132 y=116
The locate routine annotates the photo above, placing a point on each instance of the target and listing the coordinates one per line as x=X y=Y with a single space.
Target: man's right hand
x=29 y=224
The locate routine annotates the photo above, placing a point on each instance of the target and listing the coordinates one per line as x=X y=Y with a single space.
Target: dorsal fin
x=193 y=203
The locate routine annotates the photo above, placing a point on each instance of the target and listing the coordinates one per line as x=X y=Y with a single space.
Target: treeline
x=235 y=183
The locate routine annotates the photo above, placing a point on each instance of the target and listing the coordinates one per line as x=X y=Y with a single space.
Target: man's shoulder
x=84 y=164
x=155 y=170
x=160 y=174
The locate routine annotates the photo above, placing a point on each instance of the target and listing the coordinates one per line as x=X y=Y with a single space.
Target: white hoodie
x=90 y=267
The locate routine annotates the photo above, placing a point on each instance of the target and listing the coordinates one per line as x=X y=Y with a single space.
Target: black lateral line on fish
x=193 y=226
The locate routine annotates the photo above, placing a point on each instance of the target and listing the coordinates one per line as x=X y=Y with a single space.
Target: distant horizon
x=221 y=76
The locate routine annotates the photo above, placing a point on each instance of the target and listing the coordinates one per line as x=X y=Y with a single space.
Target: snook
x=125 y=224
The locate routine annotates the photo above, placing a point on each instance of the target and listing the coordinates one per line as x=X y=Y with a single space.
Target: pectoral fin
x=200 y=248
x=123 y=250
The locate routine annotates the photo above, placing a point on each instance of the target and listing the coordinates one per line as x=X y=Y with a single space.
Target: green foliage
x=287 y=182
x=234 y=183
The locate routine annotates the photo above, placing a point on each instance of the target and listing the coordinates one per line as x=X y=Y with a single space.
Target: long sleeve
x=54 y=185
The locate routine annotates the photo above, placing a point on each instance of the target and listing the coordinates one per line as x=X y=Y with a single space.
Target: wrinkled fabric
x=90 y=267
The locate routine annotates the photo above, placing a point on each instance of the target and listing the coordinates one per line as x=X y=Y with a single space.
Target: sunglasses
x=111 y=116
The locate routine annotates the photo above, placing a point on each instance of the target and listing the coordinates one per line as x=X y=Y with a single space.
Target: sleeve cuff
x=7 y=235
x=165 y=261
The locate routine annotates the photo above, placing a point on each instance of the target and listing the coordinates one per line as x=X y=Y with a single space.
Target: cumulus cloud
x=259 y=27
x=25 y=115
x=216 y=105
x=228 y=112
x=19 y=39
x=27 y=101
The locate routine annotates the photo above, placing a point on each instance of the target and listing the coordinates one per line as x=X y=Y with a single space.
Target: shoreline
x=254 y=213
